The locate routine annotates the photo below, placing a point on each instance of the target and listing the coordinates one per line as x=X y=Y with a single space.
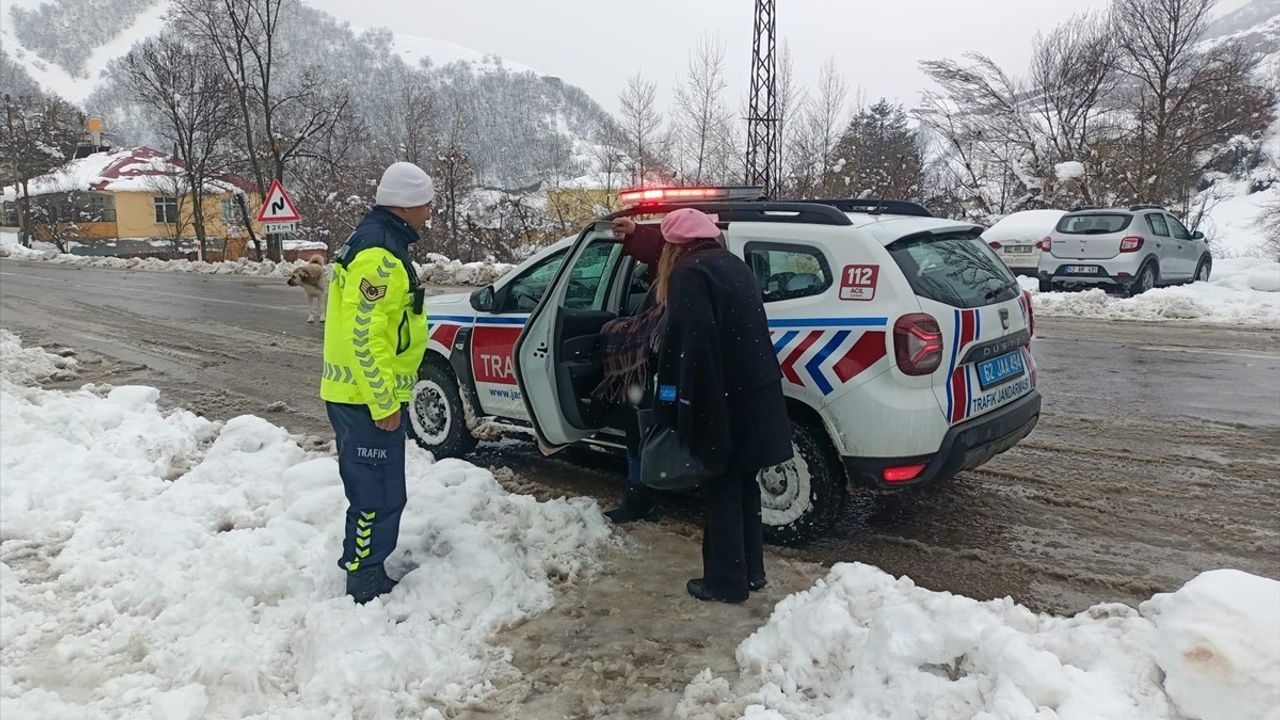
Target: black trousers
x=732 y=534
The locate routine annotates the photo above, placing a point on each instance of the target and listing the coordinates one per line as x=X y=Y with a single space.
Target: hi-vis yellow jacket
x=374 y=336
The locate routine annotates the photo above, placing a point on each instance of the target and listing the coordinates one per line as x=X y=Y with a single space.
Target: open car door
x=556 y=360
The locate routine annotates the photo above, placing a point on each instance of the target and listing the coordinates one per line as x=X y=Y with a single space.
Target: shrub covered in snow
x=863 y=644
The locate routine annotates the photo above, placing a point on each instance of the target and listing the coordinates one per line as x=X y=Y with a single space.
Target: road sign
x=277 y=207
x=275 y=227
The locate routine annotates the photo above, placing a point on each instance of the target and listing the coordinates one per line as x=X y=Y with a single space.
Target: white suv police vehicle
x=1135 y=250
x=904 y=344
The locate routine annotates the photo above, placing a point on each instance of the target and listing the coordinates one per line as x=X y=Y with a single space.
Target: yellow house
x=133 y=202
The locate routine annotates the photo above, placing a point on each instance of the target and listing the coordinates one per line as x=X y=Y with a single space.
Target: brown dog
x=314 y=278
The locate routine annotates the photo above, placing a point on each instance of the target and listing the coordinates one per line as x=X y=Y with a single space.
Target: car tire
x=1148 y=277
x=1203 y=270
x=436 y=418
x=802 y=497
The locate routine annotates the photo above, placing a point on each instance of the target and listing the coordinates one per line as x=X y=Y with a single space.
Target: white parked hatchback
x=1016 y=238
x=1132 y=249
x=904 y=344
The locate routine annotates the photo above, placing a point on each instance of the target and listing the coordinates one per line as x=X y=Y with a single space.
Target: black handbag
x=665 y=463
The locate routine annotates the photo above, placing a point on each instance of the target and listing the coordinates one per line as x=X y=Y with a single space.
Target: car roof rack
x=873 y=206
x=811 y=213
x=1136 y=208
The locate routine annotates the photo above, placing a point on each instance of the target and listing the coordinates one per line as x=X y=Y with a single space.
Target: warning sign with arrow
x=277 y=207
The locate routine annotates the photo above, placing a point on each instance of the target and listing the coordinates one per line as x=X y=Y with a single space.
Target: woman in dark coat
x=719 y=386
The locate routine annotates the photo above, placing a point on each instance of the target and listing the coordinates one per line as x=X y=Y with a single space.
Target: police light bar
x=659 y=196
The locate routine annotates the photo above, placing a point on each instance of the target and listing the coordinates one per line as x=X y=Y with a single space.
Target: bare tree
x=787 y=103
x=700 y=116
x=194 y=103
x=608 y=157
x=820 y=123
x=408 y=126
x=1073 y=69
x=641 y=127
x=41 y=133
x=279 y=123
x=1184 y=98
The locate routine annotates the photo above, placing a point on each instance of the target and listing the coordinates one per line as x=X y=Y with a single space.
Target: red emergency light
x=659 y=196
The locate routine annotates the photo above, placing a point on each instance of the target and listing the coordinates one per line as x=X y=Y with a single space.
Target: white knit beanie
x=405 y=185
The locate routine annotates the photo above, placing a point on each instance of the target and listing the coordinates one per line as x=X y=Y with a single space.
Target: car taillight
x=1031 y=312
x=917 y=344
x=1131 y=244
x=1046 y=244
x=994 y=245
x=903 y=473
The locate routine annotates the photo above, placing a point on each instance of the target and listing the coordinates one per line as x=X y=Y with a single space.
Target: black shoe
x=368 y=583
x=757 y=585
x=637 y=506
x=697 y=588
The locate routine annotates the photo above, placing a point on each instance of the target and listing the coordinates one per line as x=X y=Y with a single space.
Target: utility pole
x=762 y=115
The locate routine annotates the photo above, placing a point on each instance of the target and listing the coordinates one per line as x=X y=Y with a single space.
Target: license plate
x=1001 y=369
x=1018 y=249
x=1080 y=270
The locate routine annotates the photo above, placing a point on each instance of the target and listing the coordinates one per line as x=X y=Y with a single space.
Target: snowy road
x=1155 y=459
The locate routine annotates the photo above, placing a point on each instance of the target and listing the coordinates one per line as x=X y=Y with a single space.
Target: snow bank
x=25 y=366
x=1234 y=224
x=1242 y=291
x=439 y=270
x=157 y=564
x=862 y=644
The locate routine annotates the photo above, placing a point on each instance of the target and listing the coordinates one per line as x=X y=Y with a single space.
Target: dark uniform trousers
x=371 y=463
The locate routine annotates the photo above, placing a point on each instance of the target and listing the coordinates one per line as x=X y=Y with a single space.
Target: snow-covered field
x=1240 y=291
x=863 y=644
x=155 y=564
x=438 y=271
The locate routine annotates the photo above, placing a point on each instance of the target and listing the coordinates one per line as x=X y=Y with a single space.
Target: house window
x=230 y=213
x=166 y=210
x=99 y=208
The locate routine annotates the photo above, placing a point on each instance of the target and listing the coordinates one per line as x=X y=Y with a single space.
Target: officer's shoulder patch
x=371 y=292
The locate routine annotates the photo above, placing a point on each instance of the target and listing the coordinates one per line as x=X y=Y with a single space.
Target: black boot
x=698 y=588
x=637 y=505
x=368 y=583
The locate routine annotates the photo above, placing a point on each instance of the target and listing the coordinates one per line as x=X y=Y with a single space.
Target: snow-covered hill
x=65 y=45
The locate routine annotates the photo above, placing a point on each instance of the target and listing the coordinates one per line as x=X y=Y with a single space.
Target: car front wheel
x=436 y=419
x=1204 y=269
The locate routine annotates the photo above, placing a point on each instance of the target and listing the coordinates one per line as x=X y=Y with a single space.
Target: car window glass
x=957 y=269
x=589 y=278
x=1157 y=224
x=1179 y=230
x=525 y=292
x=1093 y=223
x=786 y=272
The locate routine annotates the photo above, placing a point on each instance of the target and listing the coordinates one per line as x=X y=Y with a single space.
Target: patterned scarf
x=627 y=346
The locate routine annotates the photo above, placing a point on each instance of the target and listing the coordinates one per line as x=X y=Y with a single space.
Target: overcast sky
x=598 y=44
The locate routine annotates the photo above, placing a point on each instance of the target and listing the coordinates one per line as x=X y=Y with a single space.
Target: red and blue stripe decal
x=854 y=350
x=967 y=328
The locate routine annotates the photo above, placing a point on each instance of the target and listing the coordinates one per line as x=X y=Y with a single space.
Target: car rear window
x=957 y=269
x=1094 y=223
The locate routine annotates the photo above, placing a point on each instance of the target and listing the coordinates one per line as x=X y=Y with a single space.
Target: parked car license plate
x=1018 y=249
x=1000 y=369
x=1081 y=270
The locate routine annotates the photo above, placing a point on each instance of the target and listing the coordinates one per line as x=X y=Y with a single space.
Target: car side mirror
x=484 y=299
x=1197 y=235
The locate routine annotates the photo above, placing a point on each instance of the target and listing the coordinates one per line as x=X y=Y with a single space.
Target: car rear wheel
x=436 y=419
x=1204 y=269
x=800 y=498
x=1147 y=278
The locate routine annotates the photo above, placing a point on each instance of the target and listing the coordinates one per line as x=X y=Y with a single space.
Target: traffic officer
x=373 y=344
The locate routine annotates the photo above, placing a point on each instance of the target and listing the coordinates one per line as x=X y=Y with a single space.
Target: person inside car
x=719 y=386
x=627 y=346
